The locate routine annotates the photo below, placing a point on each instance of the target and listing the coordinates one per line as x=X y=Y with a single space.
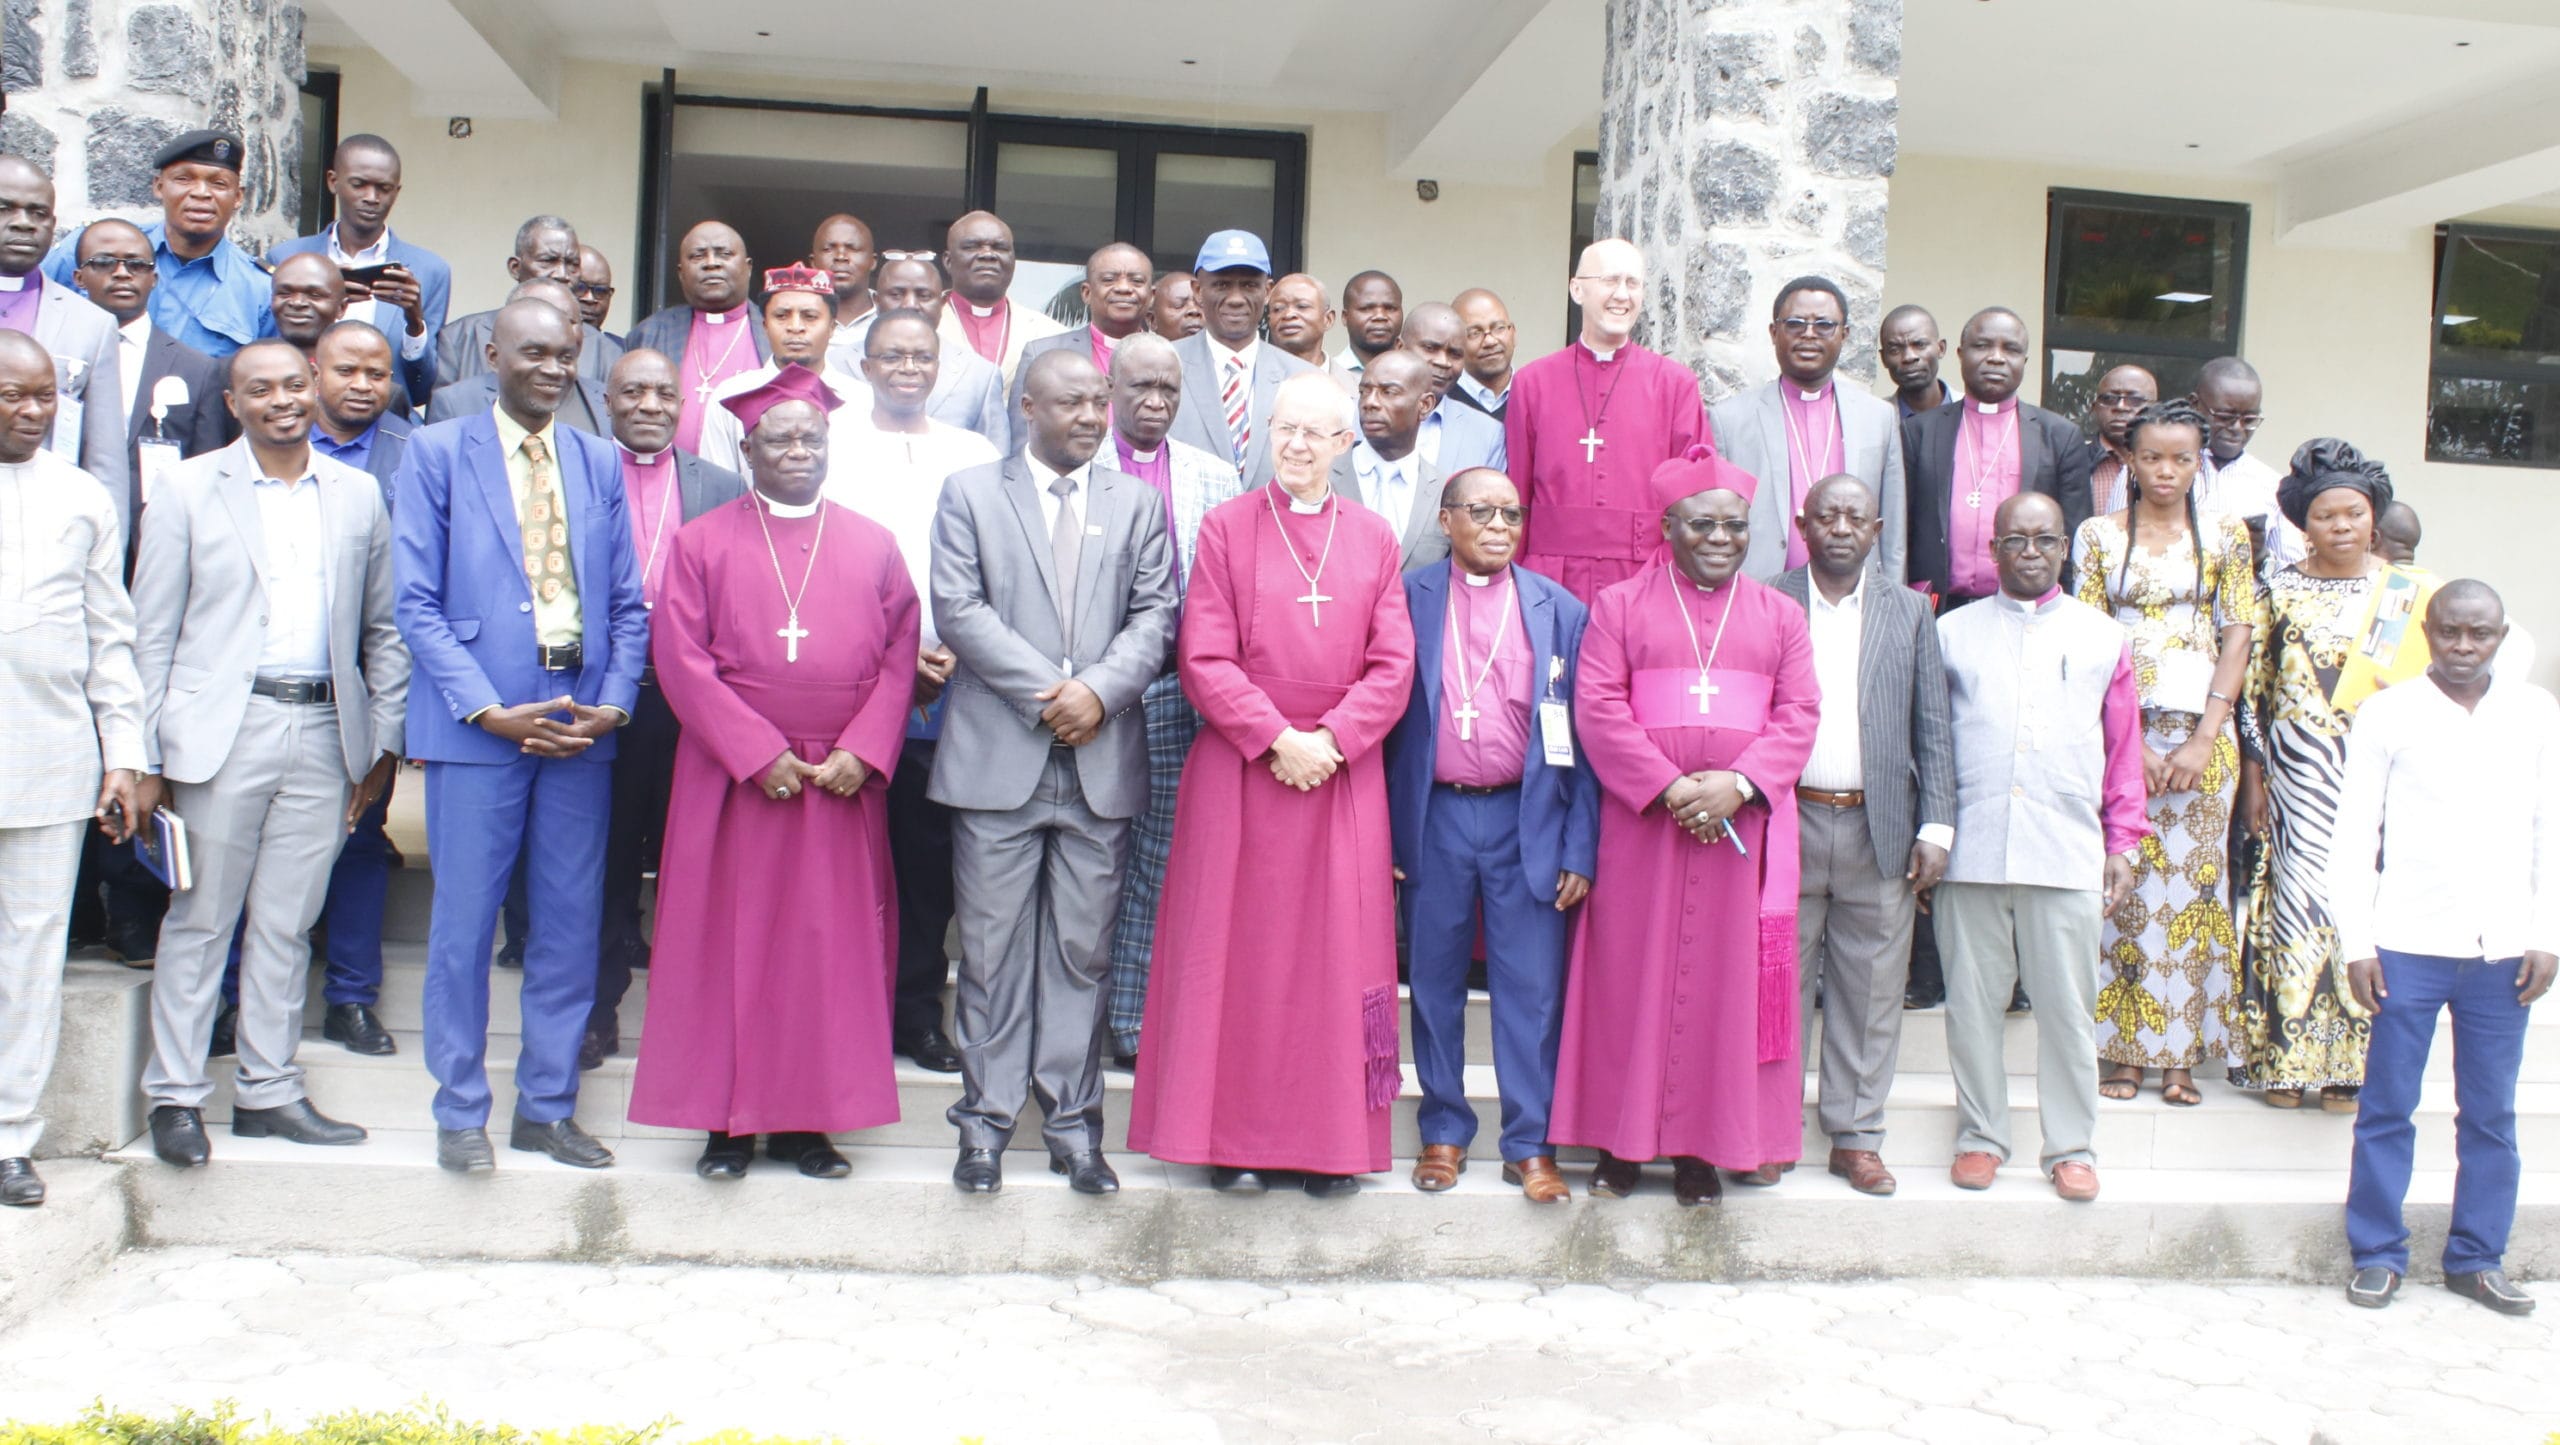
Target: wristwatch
x=1750 y=794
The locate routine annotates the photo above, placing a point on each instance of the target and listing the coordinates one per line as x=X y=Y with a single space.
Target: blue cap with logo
x=1233 y=251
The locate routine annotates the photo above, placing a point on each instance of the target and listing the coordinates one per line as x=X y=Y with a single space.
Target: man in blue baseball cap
x=1228 y=375
x=209 y=294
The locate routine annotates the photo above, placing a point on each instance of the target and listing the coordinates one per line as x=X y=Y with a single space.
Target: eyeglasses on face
x=2016 y=542
x=103 y=266
x=905 y=360
x=1480 y=333
x=2125 y=399
x=1484 y=513
x=1285 y=432
x=2248 y=419
x=1705 y=527
x=589 y=290
x=1822 y=326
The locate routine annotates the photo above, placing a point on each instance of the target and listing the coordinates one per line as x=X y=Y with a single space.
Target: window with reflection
x=2152 y=280
x=2493 y=397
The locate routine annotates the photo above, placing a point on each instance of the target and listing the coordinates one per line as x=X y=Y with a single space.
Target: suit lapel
x=155 y=364
x=1942 y=451
x=332 y=503
x=1422 y=514
x=1102 y=494
x=235 y=477
x=2032 y=461
x=1538 y=614
x=571 y=479
x=1019 y=491
x=488 y=470
x=1430 y=628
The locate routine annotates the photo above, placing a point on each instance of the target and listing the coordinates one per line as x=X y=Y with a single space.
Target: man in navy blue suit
x=519 y=597
x=405 y=303
x=1492 y=807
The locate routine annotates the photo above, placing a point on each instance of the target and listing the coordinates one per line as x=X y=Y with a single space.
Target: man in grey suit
x=274 y=687
x=1229 y=374
x=88 y=427
x=1053 y=588
x=1804 y=427
x=582 y=406
x=1386 y=470
x=546 y=250
x=1454 y=438
x=1878 y=790
x=968 y=389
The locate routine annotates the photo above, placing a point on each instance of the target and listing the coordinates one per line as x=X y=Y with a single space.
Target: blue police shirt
x=216 y=303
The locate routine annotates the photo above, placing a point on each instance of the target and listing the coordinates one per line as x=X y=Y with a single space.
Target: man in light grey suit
x=1877 y=808
x=1053 y=588
x=1227 y=361
x=1804 y=427
x=274 y=687
x=89 y=416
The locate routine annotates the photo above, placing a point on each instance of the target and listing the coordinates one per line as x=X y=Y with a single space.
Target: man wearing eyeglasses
x=1493 y=808
x=212 y=295
x=713 y=335
x=185 y=413
x=399 y=289
x=2233 y=399
x=594 y=290
x=2049 y=812
x=546 y=249
x=2122 y=392
x=1805 y=427
x=1486 y=382
x=88 y=427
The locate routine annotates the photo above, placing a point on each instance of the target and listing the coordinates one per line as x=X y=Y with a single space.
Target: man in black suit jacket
x=644 y=399
x=1877 y=808
x=712 y=269
x=188 y=413
x=1959 y=460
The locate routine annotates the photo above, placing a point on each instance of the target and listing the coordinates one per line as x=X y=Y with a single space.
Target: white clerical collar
x=981 y=312
x=14 y=283
x=1991 y=408
x=1136 y=455
x=780 y=509
x=1485 y=580
x=1303 y=508
x=1817 y=394
x=1599 y=355
x=644 y=459
x=721 y=318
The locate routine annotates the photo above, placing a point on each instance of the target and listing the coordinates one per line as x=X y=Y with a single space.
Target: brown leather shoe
x=2075 y=1181
x=1539 y=1179
x=1975 y=1169
x=1439 y=1167
x=1694 y=1182
x=1613 y=1177
x=1864 y=1169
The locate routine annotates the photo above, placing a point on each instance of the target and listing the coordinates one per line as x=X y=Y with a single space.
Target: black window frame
x=2061 y=334
x=2475 y=368
x=316 y=212
x=1139 y=144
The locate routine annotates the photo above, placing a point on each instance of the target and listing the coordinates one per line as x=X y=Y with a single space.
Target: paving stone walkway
x=1017 y=1360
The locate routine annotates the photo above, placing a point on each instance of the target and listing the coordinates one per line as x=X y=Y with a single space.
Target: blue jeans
x=2488 y=1048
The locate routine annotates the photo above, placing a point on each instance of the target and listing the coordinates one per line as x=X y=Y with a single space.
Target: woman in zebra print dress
x=2340 y=625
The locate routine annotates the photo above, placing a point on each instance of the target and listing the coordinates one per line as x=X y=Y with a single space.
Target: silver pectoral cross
x=1705 y=692
x=791 y=632
x=1591 y=442
x=1466 y=713
x=1314 y=599
x=1973 y=499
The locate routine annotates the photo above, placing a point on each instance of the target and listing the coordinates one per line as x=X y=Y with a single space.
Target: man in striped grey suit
x=1877 y=804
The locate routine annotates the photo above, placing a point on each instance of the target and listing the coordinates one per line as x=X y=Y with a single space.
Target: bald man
x=714 y=335
x=1486 y=383
x=1297 y=317
x=582 y=407
x=842 y=247
x=1452 y=439
x=978 y=256
x=308 y=296
x=1119 y=284
x=546 y=249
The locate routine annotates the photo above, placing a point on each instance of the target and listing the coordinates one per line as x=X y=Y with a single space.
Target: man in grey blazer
x=968 y=389
x=89 y=416
x=1233 y=279
x=1385 y=470
x=1053 y=588
x=546 y=250
x=274 y=688
x=1806 y=426
x=1877 y=807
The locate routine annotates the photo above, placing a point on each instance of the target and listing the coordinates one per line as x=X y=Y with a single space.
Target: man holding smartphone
x=399 y=289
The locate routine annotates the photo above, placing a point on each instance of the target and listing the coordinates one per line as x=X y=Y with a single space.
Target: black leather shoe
x=2491 y=1287
x=1126 y=1063
x=931 y=1050
x=2019 y=1003
x=1615 y=1178
x=563 y=1140
x=1237 y=1181
x=725 y=1157
x=1330 y=1186
x=1695 y=1183
x=2372 y=1287
x=595 y=1048
x=19 y=1186
x=465 y=1151
x=813 y=1152
x=177 y=1136
x=226 y=1034
x=1916 y=997
x=511 y=954
x=354 y=1025
x=980 y=1171
x=135 y=946
x=297 y=1122
x=1087 y=1173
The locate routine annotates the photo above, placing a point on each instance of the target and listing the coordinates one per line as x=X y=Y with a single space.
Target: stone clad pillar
x=96 y=87
x=1742 y=143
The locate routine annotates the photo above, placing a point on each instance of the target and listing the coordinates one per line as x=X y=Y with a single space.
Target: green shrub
x=423 y=1424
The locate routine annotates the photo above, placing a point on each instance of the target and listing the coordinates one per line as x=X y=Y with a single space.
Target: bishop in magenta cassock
x=784 y=641
x=1698 y=704
x=1587 y=425
x=1271 y=1012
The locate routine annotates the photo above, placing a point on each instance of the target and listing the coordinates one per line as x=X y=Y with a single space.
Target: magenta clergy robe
x=770 y=976
x=1593 y=522
x=1271 y=1012
x=1679 y=1015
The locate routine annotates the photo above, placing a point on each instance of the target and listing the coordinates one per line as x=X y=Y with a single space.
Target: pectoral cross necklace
x=1704 y=691
x=710 y=373
x=1985 y=472
x=1466 y=712
x=790 y=631
x=1315 y=599
x=1591 y=441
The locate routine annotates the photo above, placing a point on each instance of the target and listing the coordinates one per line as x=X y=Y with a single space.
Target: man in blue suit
x=407 y=303
x=519 y=597
x=1492 y=806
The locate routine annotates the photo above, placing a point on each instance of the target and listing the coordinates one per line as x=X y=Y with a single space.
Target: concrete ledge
x=81 y=1225
x=898 y=1213
x=93 y=1102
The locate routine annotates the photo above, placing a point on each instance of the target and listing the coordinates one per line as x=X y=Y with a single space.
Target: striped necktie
x=1239 y=414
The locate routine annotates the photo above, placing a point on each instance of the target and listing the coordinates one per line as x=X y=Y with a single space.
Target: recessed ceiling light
x=2460 y=320
x=2183 y=298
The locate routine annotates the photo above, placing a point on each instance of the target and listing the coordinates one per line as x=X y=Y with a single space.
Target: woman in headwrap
x=2342 y=624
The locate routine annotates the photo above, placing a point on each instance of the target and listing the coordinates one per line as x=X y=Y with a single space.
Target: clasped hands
x=534 y=727
x=1701 y=802
x=2181 y=769
x=842 y=774
x=1303 y=760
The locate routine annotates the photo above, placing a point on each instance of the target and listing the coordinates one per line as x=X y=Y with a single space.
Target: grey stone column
x=1742 y=143
x=96 y=86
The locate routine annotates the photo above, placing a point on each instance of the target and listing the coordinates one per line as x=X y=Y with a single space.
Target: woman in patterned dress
x=2342 y=624
x=2181 y=582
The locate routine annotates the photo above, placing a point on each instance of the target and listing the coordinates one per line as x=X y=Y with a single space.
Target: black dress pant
x=644 y=763
x=920 y=860
x=116 y=899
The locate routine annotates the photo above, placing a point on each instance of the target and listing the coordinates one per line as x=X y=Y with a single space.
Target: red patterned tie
x=1239 y=414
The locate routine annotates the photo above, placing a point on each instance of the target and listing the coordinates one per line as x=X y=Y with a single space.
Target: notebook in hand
x=161 y=844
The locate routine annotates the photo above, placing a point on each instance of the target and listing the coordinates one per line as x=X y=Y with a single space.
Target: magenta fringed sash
x=1378 y=1043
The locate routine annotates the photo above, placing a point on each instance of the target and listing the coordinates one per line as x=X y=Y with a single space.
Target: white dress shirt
x=1245 y=355
x=132 y=344
x=895 y=479
x=2468 y=804
x=1837 y=764
x=1389 y=484
x=2246 y=488
x=384 y=317
x=296 y=577
x=1043 y=477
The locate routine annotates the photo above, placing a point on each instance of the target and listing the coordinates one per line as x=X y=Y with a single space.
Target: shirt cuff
x=621 y=718
x=1939 y=835
x=412 y=347
x=472 y=719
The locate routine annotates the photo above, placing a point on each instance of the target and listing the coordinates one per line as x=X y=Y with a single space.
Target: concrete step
x=386 y=1197
x=2231 y=1130
x=1924 y=1031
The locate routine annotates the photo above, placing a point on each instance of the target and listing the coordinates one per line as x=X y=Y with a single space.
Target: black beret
x=203 y=147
